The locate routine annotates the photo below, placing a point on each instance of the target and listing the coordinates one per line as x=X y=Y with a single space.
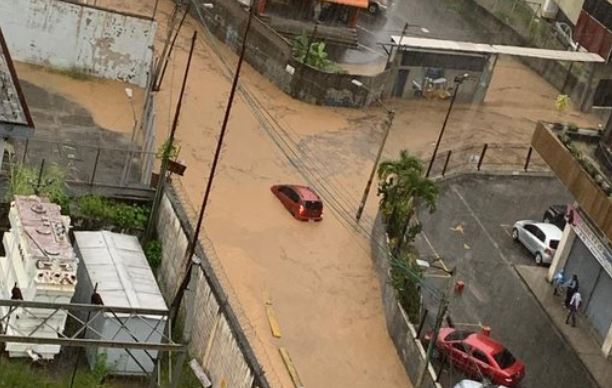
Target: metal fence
x=488 y=157
x=99 y=166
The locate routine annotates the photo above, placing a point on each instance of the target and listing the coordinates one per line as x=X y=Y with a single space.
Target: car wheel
x=515 y=234
x=538 y=258
x=373 y=8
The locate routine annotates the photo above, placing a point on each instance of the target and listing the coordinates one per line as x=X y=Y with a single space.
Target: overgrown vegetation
x=21 y=374
x=316 y=56
x=153 y=252
x=403 y=188
x=126 y=217
x=24 y=180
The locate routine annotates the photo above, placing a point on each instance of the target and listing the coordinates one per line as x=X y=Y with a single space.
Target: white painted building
x=42 y=265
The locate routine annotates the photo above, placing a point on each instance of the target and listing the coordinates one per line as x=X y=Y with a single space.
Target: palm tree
x=403 y=187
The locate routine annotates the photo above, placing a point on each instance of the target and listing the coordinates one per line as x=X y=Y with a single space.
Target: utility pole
x=442 y=309
x=439 y=318
x=176 y=302
x=387 y=128
x=167 y=150
x=161 y=70
x=458 y=81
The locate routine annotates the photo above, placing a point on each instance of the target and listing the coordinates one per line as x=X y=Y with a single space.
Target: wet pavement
x=471 y=231
x=426 y=18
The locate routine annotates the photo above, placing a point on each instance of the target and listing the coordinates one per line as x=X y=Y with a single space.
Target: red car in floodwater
x=478 y=354
x=301 y=201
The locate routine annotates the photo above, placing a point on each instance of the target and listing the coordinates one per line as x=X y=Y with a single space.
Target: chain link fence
x=95 y=166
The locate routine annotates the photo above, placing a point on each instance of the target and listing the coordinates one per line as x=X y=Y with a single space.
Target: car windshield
x=554 y=244
x=314 y=205
x=504 y=359
x=458 y=335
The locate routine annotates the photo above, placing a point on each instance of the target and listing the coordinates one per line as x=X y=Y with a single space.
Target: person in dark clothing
x=571 y=288
x=574 y=305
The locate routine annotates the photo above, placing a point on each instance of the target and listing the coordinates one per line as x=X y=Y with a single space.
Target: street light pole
x=458 y=81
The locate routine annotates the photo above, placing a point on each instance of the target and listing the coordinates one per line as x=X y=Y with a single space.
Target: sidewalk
x=579 y=338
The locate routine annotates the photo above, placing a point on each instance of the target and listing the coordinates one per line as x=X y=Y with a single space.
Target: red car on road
x=301 y=201
x=478 y=354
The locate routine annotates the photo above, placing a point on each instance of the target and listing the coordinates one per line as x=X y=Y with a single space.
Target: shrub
x=153 y=251
x=24 y=181
x=122 y=215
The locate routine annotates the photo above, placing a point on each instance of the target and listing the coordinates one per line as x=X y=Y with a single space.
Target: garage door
x=582 y=263
x=599 y=309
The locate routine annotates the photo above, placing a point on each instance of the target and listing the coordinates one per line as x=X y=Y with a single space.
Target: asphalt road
x=470 y=231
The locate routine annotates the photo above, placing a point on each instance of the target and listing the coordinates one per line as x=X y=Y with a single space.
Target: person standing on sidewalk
x=572 y=287
x=574 y=304
x=558 y=281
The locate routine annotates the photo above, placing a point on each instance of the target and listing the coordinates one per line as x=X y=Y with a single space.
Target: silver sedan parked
x=539 y=238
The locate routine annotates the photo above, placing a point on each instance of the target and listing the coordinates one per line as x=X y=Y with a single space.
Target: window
x=313 y=205
x=461 y=347
x=504 y=359
x=554 y=244
x=458 y=335
x=293 y=195
x=534 y=230
x=480 y=356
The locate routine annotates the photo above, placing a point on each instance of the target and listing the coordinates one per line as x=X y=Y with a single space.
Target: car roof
x=484 y=343
x=305 y=192
x=550 y=230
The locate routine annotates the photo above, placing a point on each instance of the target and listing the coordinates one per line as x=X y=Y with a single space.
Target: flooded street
x=319 y=276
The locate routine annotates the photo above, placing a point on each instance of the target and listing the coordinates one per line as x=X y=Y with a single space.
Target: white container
x=117 y=264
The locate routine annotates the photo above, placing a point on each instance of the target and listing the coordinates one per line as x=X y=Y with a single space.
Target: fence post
x=95 y=167
x=528 y=159
x=25 y=151
x=448 y=155
x=423 y=317
x=482 y=155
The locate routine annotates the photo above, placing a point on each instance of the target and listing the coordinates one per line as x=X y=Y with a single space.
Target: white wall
x=79 y=38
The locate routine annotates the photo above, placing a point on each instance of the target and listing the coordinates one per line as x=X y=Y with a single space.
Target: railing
x=94 y=166
x=488 y=157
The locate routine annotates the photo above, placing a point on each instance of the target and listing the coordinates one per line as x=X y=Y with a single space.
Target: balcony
x=575 y=156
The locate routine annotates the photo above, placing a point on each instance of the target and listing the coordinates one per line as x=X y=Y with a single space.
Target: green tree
x=317 y=55
x=403 y=187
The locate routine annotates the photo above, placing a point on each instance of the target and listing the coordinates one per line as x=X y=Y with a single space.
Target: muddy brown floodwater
x=319 y=276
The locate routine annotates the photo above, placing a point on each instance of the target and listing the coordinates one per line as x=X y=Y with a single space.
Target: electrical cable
x=288 y=148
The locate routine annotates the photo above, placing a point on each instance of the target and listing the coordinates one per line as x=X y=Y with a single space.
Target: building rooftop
x=13 y=107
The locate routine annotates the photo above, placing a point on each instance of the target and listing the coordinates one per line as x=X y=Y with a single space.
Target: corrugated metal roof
x=452 y=45
x=118 y=265
x=350 y=3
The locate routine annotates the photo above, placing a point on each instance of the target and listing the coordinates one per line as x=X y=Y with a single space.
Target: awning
x=452 y=45
x=350 y=3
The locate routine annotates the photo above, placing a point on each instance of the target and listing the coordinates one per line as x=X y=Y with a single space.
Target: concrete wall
x=79 y=38
x=217 y=340
x=270 y=53
x=401 y=330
